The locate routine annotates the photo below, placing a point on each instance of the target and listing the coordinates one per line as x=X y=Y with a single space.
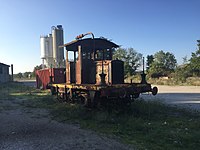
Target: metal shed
x=4 y=73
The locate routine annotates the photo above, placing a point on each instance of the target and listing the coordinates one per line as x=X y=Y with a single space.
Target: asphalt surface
x=187 y=97
x=31 y=83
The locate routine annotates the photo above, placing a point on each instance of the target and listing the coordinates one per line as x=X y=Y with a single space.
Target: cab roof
x=90 y=44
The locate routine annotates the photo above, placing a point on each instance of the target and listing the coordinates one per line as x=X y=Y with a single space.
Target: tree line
x=28 y=75
x=160 y=64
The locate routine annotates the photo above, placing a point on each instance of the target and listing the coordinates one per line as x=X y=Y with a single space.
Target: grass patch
x=146 y=125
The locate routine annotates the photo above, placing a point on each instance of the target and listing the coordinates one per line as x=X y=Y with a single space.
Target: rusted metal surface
x=43 y=76
x=85 y=72
x=88 y=44
x=93 y=75
x=94 y=94
x=114 y=71
x=88 y=64
x=70 y=74
x=106 y=70
x=78 y=68
x=59 y=75
x=88 y=71
x=117 y=72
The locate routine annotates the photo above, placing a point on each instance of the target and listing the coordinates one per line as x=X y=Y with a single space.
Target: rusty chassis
x=92 y=95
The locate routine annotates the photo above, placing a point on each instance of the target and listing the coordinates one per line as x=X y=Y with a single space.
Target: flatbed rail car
x=93 y=76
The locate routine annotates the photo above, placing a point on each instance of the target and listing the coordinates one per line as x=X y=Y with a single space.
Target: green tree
x=150 y=60
x=120 y=54
x=38 y=67
x=163 y=64
x=185 y=60
x=27 y=74
x=195 y=63
x=19 y=75
x=131 y=58
x=182 y=72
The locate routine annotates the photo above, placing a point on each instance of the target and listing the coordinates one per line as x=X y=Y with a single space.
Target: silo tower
x=58 y=53
x=46 y=46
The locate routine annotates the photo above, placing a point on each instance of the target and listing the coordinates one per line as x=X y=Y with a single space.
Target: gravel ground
x=187 y=97
x=32 y=129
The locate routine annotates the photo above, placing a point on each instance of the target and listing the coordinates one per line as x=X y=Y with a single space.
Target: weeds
x=146 y=125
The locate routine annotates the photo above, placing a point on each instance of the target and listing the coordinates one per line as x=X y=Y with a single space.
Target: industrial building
x=4 y=73
x=51 y=54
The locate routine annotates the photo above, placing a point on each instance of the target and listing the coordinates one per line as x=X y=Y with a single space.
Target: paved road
x=31 y=83
x=183 y=96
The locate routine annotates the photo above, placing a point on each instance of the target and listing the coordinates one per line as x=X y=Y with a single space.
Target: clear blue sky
x=146 y=25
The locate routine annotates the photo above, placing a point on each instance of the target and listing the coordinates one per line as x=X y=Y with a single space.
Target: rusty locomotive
x=93 y=77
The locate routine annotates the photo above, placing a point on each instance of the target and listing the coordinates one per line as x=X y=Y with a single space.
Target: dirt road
x=24 y=128
x=181 y=96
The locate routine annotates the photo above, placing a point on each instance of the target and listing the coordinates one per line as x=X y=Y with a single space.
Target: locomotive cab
x=93 y=63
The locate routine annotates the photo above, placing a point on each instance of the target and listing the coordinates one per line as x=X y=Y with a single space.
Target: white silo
x=43 y=50
x=46 y=46
x=50 y=50
x=58 y=53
